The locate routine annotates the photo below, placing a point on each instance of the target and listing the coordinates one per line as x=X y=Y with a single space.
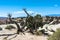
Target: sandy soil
x=9 y=35
x=27 y=36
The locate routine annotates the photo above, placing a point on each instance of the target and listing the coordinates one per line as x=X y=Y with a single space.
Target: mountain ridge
x=53 y=15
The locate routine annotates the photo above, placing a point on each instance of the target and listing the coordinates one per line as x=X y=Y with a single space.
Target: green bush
x=55 y=36
x=10 y=27
x=0 y=28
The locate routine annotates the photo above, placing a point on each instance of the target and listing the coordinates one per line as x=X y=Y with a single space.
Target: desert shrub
x=5 y=38
x=10 y=27
x=55 y=36
x=38 y=33
x=0 y=28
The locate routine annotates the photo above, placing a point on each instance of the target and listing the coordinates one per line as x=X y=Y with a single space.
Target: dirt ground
x=10 y=35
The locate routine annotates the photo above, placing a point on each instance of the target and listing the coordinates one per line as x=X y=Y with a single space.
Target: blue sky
x=43 y=7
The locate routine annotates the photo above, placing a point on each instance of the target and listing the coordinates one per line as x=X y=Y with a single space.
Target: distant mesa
x=53 y=15
x=2 y=18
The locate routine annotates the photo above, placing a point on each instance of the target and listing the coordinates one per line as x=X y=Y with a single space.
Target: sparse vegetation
x=5 y=38
x=0 y=28
x=55 y=36
x=10 y=27
x=38 y=33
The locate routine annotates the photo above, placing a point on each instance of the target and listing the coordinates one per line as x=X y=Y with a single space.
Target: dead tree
x=28 y=21
x=18 y=27
x=26 y=18
x=32 y=21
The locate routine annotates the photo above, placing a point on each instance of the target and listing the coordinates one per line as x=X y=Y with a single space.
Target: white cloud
x=20 y=12
x=30 y=12
x=3 y=15
x=37 y=13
